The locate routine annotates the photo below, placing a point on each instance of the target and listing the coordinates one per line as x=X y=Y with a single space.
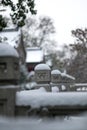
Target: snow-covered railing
x=79 y=87
x=52 y=104
x=47 y=78
x=38 y=98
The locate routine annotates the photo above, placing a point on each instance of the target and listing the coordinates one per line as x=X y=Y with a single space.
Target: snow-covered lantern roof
x=42 y=73
x=9 y=64
x=55 y=76
x=7 y=50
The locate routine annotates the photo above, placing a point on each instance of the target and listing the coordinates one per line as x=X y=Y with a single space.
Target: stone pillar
x=7 y=100
x=43 y=76
x=67 y=80
x=56 y=79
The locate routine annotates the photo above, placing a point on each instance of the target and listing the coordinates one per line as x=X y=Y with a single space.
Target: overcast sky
x=67 y=15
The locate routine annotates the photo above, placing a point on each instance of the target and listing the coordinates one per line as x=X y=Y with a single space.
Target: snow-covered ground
x=67 y=123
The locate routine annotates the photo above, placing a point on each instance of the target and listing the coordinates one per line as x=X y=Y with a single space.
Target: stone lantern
x=9 y=64
x=9 y=76
x=43 y=76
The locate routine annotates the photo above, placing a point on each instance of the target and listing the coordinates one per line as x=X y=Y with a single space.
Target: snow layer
x=7 y=50
x=42 y=67
x=11 y=36
x=38 y=98
x=55 y=72
x=34 y=55
x=67 y=123
x=68 y=76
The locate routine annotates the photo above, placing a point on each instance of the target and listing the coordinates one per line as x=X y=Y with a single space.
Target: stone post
x=56 y=79
x=67 y=80
x=7 y=100
x=43 y=76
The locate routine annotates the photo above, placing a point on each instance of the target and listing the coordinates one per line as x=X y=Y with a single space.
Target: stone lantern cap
x=42 y=67
x=42 y=73
x=56 y=71
x=7 y=50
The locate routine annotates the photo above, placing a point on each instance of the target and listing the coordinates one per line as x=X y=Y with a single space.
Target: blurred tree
x=39 y=32
x=62 y=58
x=19 y=10
x=55 y=61
x=78 y=65
x=80 y=44
x=3 y=22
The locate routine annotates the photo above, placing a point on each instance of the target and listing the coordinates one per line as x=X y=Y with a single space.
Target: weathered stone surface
x=55 y=76
x=9 y=65
x=7 y=100
x=42 y=73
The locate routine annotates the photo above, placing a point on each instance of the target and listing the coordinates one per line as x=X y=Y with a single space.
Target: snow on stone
x=81 y=84
x=64 y=74
x=32 y=73
x=55 y=72
x=34 y=55
x=38 y=98
x=63 y=87
x=55 y=89
x=30 y=85
x=7 y=50
x=68 y=76
x=8 y=86
x=42 y=67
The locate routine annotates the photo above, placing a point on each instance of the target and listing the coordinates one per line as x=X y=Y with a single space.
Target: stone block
x=55 y=76
x=7 y=100
x=42 y=73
